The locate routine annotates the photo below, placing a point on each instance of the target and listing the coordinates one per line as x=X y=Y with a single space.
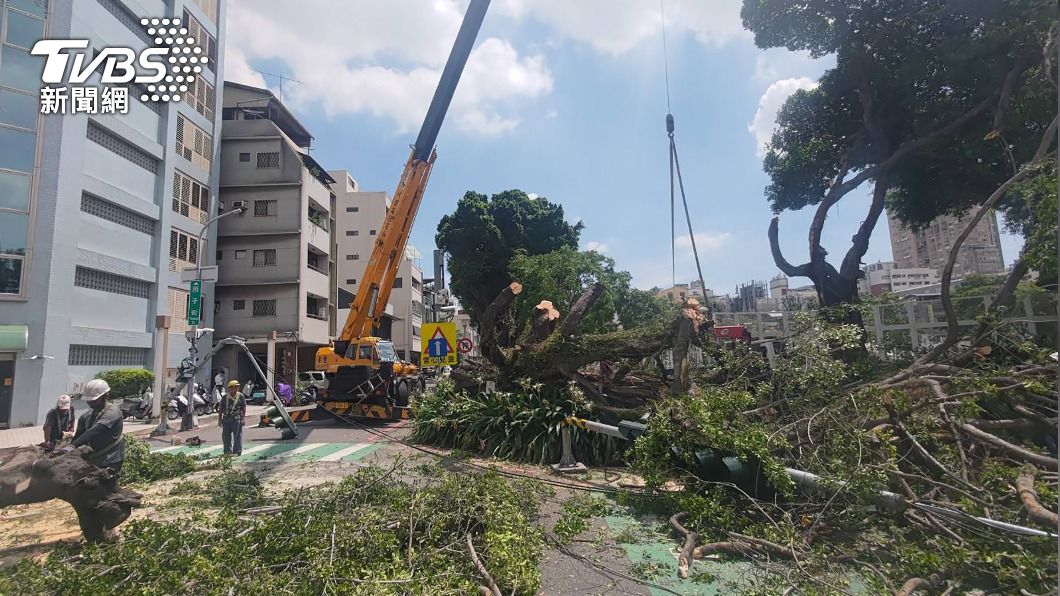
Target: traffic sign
x=195 y=303
x=438 y=344
x=465 y=345
x=208 y=273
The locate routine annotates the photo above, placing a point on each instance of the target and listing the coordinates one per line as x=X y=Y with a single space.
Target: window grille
x=190 y=197
x=203 y=39
x=264 y=208
x=193 y=143
x=264 y=308
x=183 y=250
x=119 y=146
x=94 y=279
x=116 y=214
x=265 y=257
x=270 y=159
x=87 y=355
x=201 y=96
x=177 y=308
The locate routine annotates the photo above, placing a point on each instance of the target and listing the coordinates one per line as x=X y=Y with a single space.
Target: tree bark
x=1029 y=496
x=545 y=318
x=580 y=309
x=488 y=334
x=28 y=475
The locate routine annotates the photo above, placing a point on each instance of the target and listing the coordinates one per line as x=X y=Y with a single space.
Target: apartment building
x=359 y=216
x=930 y=247
x=99 y=212
x=679 y=292
x=276 y=266
x=887 y=276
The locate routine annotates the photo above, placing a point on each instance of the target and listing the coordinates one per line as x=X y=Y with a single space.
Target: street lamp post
x=190 y=421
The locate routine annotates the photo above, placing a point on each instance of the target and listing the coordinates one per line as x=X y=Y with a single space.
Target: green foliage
x=522 y=426
x=127 y=382
x=236 y=489
x=576 y=513
x=1030 y=210
x=688 y=423
x=143 y=466
x=563 y=275
x=349 y=538
x=483 y=235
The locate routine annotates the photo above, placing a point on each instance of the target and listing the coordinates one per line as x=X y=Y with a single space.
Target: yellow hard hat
x=233 y=383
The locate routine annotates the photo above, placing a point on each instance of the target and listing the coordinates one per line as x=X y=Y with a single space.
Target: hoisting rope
x=675 y=166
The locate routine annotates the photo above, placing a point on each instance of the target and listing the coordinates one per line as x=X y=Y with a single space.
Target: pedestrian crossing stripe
x=285 y=450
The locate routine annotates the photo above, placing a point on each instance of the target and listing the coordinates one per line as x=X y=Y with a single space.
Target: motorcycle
x=138 y=408
x=211 y=399
x=178 y=405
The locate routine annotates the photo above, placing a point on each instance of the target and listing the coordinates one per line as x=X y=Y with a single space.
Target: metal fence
x=913 y=324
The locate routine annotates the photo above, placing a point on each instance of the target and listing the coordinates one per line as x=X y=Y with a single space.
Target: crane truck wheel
x=401 y=393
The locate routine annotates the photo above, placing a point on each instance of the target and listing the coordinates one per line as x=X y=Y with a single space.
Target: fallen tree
x=553 y=352
x=29 y=475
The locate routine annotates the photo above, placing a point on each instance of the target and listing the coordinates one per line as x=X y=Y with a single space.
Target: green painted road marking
x=363 y=452
x=655 y=559
x=267 y=452
x=326 y=452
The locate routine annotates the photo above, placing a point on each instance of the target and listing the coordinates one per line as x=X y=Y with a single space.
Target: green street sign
x=195 y=303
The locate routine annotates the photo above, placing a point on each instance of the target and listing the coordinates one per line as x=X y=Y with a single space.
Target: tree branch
x=1016 y=451
x=580 y=308
x=489 y=322
x=778 y=257
x=492 y=585
x=851 y=267
x=684 y=558
x=1029 y=496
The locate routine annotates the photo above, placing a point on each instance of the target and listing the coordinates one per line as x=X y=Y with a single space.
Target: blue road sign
x=438 y=348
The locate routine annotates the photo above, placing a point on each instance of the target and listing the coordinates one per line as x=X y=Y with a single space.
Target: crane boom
x=378 y=278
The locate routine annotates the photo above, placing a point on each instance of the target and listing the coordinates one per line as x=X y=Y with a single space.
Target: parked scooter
x=178 y=405
x=137 y=407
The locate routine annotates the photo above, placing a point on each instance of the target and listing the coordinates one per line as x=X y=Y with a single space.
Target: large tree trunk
x=28 y=475
x=556 y=354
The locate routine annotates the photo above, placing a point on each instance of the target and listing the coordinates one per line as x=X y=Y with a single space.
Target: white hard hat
x=95 y=389
x=63 y=403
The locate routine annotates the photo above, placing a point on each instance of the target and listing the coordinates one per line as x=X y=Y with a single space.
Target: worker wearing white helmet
x=101 y=428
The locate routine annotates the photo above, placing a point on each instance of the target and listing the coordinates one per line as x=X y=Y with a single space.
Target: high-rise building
x=98 y=212
x=930 y=247
x=359 y=217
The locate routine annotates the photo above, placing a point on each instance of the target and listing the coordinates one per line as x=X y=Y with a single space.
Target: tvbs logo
x=165 y=70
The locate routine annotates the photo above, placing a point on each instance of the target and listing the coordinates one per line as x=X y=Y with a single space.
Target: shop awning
x=13 y=338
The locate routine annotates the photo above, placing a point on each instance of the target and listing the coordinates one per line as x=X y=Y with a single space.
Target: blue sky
x=563 y=99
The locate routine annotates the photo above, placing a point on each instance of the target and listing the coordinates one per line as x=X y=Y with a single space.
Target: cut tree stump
x=29 y=475
x=554 y=352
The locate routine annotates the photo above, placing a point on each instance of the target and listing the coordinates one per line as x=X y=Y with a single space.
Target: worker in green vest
x=233 y=414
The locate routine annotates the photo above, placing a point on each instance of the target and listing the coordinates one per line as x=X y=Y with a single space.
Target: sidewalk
x=33 y=435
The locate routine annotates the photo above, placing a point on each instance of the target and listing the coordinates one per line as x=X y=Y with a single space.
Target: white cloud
x=776 y=63
x=340 y=67
x=599 y=247
x=236 y=69
x=617 y=26
x=765 y=119
x=705 y=242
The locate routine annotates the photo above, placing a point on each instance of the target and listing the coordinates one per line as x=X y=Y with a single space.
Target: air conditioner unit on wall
x=239 y=204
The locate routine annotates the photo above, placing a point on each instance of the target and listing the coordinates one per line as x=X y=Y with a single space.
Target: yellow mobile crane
x=365 y=377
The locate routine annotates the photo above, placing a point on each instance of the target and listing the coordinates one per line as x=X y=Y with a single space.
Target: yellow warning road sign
x=438 y=345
